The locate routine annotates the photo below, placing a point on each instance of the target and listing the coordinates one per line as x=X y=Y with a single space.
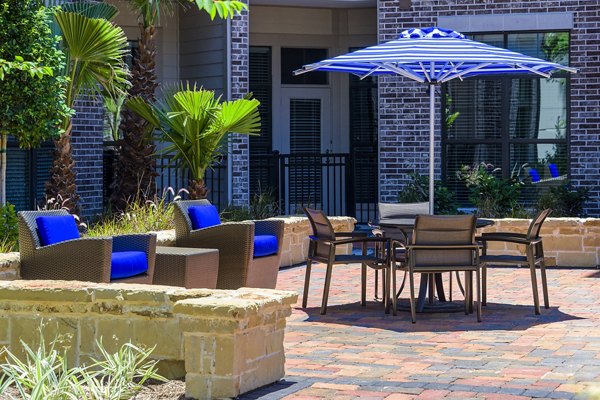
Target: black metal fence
x=337 y=183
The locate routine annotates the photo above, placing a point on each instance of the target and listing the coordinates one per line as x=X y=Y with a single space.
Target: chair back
x=439 y=230
x=29 y=238
x=183 y=223
x=321 y=226
x=401 y=210
x=536 y=224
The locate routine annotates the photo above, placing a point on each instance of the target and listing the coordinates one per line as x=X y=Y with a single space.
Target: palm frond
x=92 y=9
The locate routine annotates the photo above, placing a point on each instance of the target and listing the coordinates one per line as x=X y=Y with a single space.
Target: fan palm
x=134 y=175
x=94 y=50
x=194 y=124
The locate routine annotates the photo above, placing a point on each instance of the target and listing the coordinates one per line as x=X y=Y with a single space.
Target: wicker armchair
x=235 y=242
x=83 y=259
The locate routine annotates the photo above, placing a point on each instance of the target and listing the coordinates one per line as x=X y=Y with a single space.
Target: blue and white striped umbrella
x=434 y=56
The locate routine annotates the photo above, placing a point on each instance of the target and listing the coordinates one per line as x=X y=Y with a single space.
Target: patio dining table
x=428 y=284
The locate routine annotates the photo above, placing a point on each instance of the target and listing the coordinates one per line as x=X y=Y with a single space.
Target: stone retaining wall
x=223 y=342
x=568 y=242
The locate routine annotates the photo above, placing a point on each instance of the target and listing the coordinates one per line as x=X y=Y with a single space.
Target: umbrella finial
x=433 y=32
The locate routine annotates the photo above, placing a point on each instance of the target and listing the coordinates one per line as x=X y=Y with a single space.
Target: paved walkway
x=361 y=353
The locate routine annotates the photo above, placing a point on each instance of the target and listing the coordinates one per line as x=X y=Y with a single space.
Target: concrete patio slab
x=362 y=353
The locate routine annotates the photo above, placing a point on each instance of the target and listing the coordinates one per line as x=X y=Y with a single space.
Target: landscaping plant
x=565 y=200
x=262 y=206
x=417 y=190
x=9 y=229
x=32 y=90
x=95 y=48
x=135 y=165
x=194 y=124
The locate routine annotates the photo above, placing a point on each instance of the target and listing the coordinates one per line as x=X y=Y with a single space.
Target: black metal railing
x=337 y=183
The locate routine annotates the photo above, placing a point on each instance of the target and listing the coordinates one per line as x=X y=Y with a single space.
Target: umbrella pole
x=431 y=146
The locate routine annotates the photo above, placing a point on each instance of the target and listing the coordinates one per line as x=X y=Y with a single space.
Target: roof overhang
x=318 y=3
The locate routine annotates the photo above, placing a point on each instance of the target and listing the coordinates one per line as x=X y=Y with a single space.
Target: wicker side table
x=187 y=267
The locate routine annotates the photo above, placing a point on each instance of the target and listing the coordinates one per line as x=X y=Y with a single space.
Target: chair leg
x=450 y=287
x=478 y=286
x=402 y=284
x=413 y=311
x=376 y=296
x=544 y=284
x=306 y=282
x=484 y=284
x=431 y=288
x=470 y=274
x=467 y=292
x=363 y=285
x=459 y=282
x=326 y=288
x=531 y=262
x=392 y=291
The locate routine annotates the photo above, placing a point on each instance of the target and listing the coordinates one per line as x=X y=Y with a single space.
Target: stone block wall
x=223 y=342
x=568 y=242
x=404 y=105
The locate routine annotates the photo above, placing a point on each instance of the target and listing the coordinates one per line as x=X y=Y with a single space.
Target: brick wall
x=404 y=105
x=240 y=151
x=87 y=137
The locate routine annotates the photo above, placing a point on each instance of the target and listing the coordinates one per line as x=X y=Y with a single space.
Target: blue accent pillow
x=125 y=264
x=265 y=245
x=535 y=177
x=553 y=170
x=204 y=216
x=56 y=228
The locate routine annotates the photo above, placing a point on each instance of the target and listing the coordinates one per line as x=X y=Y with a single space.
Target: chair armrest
x=351 y=234
x=508 y=239
x=84 y=259
x=269 y=227
x=368 y=239
x=134 y=242
x=492 y=235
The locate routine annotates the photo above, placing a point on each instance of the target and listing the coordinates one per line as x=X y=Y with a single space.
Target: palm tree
x=194 y=125
x=135 y=167
x=94 y=50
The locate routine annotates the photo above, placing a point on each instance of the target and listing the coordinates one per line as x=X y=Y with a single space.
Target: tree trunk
x=61 y=186
x=197 y=189
x=135 y=168
x=3 y=155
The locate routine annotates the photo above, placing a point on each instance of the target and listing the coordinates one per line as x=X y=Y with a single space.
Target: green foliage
x=153 y=215
x=564 y=200
x=113 y=106
x=417 y=190
x=30 y=109
x=494 y=197
x=194 y=124
x=262 y=206
x=450 y=117
x=45 y=374
x=95 y=49
x=9 y=230
x=225 y=8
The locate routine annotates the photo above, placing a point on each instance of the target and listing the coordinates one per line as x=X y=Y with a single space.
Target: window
x=518 y=124
x=294 y=58
x=260 y=83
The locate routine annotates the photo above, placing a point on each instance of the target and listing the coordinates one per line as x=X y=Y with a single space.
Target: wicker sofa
x=83 y=259
x=235 y=241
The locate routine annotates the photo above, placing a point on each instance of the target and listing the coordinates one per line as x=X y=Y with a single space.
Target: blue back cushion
x=125 y=264
x=265 y=245
x=204 y=216
x=56 y=228
x=535 y=177
x=553 y=170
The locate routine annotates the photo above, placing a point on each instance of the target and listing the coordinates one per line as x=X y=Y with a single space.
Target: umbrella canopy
x=434 y=56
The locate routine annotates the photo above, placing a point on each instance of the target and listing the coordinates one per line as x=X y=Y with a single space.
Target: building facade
x=342 y=144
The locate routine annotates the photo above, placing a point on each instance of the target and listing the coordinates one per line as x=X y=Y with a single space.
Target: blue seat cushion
x=56 y=228
x=204 y=216
x=265 y=245
x=535 y=177
x=125 y=264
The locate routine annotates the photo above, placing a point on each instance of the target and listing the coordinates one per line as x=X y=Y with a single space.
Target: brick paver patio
x=361 y=353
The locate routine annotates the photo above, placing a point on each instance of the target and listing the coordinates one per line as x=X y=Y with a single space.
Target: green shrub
x=417 y=190
x=564 y=200
x=9 y=230
x=45 y=374
x=262 y=206
x=153 y=215
x=494 y=197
